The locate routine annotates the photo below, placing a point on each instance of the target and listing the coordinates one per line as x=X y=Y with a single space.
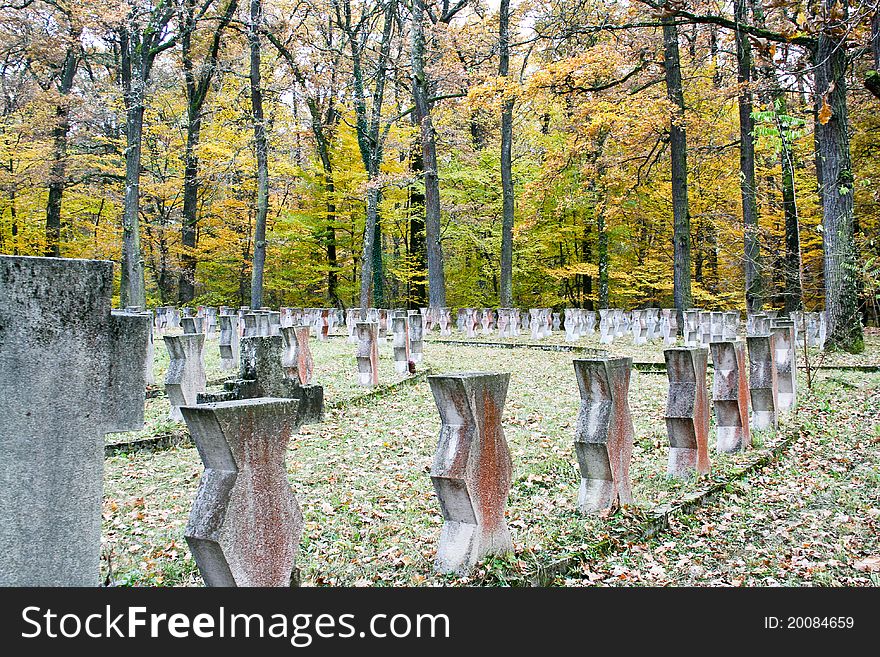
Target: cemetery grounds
x=801 y=508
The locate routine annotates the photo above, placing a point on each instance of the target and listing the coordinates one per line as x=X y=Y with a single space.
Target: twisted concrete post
x=472 y=468
x=763 y=385
x=185 y=377
x=730 y=396
x=604 y=433
x=368 y=353
x=687 y=412
x=245 y=524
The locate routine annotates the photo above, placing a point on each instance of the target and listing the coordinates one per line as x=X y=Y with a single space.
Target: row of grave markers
x=643 y=325
x=245 y=523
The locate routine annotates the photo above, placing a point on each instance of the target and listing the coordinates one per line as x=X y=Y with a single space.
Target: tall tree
x=262 y=152
x=323 y=121
x=198 y=78
x=58 y=167
x=370 y=131
x=681 y=236
x=507 y=195
x=142 y=36
x=748 y=192
x=841 y=287
x=872 y=79
x=423 y=89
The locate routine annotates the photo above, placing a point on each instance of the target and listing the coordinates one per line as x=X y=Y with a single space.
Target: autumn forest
x=406 y=153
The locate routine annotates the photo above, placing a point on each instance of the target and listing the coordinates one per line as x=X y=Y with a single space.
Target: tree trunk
x=604 y=263
x=417 y=247
x=678 y=148
x=262 y=157
x=57 y=169
x=378 y=264
x=506 y=291
x=132 y=292
x=330 y=241
x=369 y=239
x=370 y=137
x=436 y=276
x=198 y=81
x=841 y=300
x=794 y=294
x=872 y=79
x=186 y=284
x=752 y=249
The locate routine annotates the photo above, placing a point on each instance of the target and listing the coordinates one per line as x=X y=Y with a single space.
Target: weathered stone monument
x=416 y=336
x=716 y=326
x=486 y=320
x=691 y=328
x=535 y=323
x=185 y=377
x=786 y=363
x=588 y=322
x=687 y=412
x=400 y=346
x=297 y=360
x=763 y=386
x=264 y=328
x=192 y=325
x=274 y=322
x=229 y=342
x=570 y=324
x=250 y=329
x=731 y=324
x=211 y=323
x=245 y=524
x=730 y=396
x=324 y=325
x=444 y=320
x=472 y=468
x=504 y=323
x=471 y=319
x=652 y=320
x=706 y=328
x=603 y=437
x=150 y=351
x=639 y=327
x=70 y=371
x=606 y=326
x=352 y=316
x=368 y=353
x=264 y=372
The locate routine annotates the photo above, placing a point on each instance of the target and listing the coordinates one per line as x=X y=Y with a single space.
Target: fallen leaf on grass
x=868 y=565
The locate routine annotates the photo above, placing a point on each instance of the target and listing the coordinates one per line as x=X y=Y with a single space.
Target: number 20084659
x=809 y=622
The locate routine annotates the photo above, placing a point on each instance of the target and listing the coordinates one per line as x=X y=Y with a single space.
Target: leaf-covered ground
x=371 y=516
x=812 y=518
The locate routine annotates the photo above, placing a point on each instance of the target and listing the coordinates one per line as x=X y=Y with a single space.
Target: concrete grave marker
x=70 y=371
x=786 y=363
x=687 y=412
x=265 y=371
x=229 y=342
x=604 y=433
x=400 y=333
x=185 y=377
x=472 y=469
x=730 y=396
x=368 y=353
x=415 y=336
x=297 y=359
x=763 y=385
x=245 y=524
